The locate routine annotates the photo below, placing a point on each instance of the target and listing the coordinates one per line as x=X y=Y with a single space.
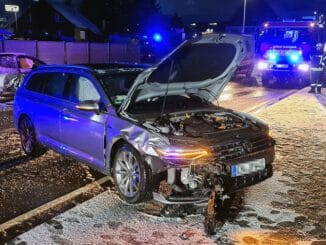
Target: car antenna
x=167 y=88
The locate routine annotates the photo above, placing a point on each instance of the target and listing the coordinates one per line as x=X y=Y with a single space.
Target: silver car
x=157 y=131
x=13 y=68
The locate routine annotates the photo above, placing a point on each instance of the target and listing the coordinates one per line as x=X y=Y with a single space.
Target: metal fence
x=53 y=52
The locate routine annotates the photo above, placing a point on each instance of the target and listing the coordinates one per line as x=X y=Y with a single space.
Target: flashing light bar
x=294 y=24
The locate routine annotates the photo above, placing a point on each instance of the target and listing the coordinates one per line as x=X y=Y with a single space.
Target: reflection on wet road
x=238 y=97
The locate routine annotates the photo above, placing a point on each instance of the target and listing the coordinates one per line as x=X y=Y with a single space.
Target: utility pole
x=15 y=10
x=244 y=15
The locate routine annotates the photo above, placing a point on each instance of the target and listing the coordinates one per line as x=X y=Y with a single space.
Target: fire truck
x=284 y=52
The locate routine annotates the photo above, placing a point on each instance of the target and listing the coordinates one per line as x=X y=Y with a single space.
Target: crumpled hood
x=201 y=67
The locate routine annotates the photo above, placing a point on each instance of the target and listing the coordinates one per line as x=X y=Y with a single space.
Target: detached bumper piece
x=197 y=201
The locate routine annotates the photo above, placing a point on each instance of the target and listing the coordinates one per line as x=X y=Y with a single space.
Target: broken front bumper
x=225 y=180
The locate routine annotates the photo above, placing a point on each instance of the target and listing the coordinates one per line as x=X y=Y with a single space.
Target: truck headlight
x=304 y=67
x=262 y=65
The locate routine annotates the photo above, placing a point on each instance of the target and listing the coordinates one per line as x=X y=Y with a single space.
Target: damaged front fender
x=142 y=139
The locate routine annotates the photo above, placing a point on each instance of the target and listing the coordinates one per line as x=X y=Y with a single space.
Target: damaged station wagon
x=157 y=131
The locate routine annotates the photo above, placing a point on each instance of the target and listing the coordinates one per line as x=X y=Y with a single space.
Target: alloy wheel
x=127 y=173
x=27 y=135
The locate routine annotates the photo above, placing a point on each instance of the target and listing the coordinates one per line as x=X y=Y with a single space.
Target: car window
x=55 y=84
x=8 y=61
x=82 y=90
x=117 y=85
x=36 y=82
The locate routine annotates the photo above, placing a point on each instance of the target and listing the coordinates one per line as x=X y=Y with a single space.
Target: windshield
x=173 y=103
x=8 y=61
x=117 y=85
x=288 y=35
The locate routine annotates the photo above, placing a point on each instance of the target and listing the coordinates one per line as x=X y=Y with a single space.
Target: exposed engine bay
x=231 y=139
x=199 y=124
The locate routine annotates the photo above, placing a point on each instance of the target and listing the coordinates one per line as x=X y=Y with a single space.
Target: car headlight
x=181 y=154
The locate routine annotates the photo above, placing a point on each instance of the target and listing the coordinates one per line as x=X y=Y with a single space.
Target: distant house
x=57 y=21
x=4 y=34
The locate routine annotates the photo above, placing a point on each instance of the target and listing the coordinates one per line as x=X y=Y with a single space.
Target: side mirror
x=89 y=105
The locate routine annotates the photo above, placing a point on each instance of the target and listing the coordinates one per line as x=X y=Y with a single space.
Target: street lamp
x=15 y=10
x=244 y=15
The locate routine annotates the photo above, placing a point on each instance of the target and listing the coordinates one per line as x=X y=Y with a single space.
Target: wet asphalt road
x=26 y=184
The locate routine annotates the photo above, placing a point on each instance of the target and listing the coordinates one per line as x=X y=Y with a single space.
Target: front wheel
x=132 y=175
x=268 y=81
x=28 y=138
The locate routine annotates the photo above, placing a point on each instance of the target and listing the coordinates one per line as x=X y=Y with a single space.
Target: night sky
x=220 y=10
x=209 y=10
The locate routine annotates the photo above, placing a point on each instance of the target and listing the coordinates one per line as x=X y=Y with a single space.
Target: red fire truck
x=284 y=51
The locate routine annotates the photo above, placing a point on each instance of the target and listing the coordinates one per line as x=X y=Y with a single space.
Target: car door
x=45 y=102
x=83 y=132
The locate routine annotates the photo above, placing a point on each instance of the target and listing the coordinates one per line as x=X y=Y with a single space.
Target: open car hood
x=200 y=67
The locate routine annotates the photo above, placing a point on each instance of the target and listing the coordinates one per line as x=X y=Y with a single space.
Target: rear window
x=8 y=61
x=50 y=83
x=36 y=82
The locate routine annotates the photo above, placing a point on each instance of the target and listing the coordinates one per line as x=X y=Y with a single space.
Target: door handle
x=67 y=115
x=65 y=110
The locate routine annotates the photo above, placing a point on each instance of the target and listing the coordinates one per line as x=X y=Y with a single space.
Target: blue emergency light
x=272 y=55
x=157 y=37
x=295 y=57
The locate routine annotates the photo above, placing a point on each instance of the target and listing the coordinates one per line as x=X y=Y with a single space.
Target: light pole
x=244 y=15
x=15 y=10
x=16 y=21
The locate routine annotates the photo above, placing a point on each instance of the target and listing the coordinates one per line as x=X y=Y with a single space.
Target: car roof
x=97 y=68
x=16 y=54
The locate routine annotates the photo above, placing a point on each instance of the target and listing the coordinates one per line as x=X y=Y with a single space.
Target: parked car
x=156 y=131
x=13 y=69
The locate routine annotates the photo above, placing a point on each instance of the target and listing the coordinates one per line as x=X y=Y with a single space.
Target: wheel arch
x=21 y=117
x=115 y=147
x=113 y=150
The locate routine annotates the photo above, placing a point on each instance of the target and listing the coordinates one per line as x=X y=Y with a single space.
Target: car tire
x=301 y=83
x=28 y=138
x=132 y=176
x=266 y=81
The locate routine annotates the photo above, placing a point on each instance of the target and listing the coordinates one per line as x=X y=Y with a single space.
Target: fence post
x=2 y=46
x=88 y=52
x=65 y=52
x=109 y=52
x=37 y=51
